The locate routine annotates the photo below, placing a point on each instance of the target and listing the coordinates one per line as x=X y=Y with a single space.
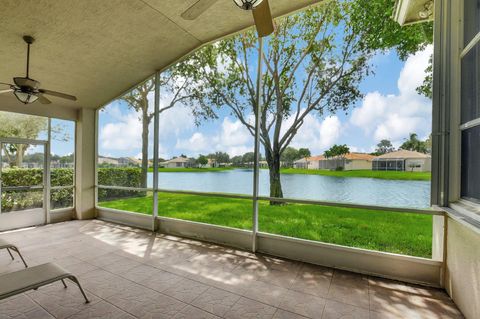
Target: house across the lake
x=348 y=162
x=178 y=162
x=403 y=160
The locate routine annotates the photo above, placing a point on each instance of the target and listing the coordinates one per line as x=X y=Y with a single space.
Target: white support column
x=46 y=171
x=85 y=164
x=156 y=138
x=257 y=147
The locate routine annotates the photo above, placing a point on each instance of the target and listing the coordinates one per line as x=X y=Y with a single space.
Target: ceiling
x=97 y=50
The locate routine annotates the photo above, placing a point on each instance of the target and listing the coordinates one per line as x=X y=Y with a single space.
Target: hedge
x=18 y=200
x=125 y=176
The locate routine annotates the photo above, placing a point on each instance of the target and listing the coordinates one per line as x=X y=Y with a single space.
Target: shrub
x=18 y=200
x=119 y=176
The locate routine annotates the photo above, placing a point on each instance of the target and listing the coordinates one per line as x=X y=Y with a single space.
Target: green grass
x=191 y=170
x=416 y=176
x=408 y=234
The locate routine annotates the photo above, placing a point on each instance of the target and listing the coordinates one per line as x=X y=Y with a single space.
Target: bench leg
x=75 y=280
x=64 y=284
x=19 y=254
x=10 y=253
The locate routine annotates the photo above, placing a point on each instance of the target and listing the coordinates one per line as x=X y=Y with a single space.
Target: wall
x=358 y=165
x=426 y=165
x=462 y=279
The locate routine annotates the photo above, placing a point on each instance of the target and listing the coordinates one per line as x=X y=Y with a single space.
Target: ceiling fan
x=260 y=8
x=27 y=90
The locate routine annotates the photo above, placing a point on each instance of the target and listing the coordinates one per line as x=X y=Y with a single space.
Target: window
x=470 y=103
x=62 y=164
x=125 y=148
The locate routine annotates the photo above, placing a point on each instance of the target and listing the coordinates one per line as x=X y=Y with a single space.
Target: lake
x=367 y=191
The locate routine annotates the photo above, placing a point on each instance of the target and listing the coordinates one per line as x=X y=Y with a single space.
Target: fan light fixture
x=247 y=4
x=25 y=97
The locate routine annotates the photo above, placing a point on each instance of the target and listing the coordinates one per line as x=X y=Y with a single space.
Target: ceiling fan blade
x=197 y=9
x=58 y=94
x=42 y=99
x=6 y=84
x=6 y=91
x=263 y=19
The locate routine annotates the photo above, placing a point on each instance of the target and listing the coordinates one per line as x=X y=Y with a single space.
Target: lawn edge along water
x=401 y=233
x=391 y=175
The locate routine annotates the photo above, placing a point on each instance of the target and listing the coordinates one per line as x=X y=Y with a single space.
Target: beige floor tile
x=313 y=280
x=81 y=268
x=351 y=295
x=282 y=314
x=161 y=280
x=62 y=302
x=139 y=273
x=102 y=283
x=216 y=301
x=121 y=266
x=156 y=276
x=191 y=312
x=303 y=304
x=186 y=290
x=247 y=308
x=350 y=279
x=338 y=310
x=102 y=310
x=146 y=303
x=268 y=294
x=21 y=306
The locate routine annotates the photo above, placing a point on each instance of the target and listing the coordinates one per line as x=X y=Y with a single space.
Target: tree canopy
x=337 y=151
x=383 y=147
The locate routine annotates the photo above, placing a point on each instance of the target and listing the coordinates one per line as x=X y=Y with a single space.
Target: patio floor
x=131 y=273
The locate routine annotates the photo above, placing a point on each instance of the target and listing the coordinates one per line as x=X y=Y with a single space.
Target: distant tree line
x=413 y=143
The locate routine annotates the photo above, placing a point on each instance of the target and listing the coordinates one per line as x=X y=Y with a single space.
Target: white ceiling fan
x=260 y=9
x=28 y=90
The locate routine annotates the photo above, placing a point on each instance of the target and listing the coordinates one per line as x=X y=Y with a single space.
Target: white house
x=403 y=160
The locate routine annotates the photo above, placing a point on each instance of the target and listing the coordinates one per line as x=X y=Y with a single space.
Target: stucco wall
x=358 y=165
x=425 y=165
x=463 y=268
x=85 y=165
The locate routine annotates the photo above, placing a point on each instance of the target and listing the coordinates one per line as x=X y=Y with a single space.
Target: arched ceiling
x=98 y=49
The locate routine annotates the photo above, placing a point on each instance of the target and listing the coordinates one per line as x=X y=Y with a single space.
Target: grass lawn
x=409 y=234
x=417 y=176
x=191 y=170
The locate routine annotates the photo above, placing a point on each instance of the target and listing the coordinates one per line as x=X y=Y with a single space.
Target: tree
x=337 y=151
x=304 y=153
x=202 y=160
x=20 y=125
x=248 y=158
x=289 y=156
x=237 y=161
x=384 y=33
x=173 y=85
x=220 y=157
x=383 y=147
x=414 y=144
x=312 y=66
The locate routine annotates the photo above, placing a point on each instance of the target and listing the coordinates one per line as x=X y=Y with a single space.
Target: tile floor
x=130 y=273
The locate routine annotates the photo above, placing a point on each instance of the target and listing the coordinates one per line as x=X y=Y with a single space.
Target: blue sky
x=391 y=109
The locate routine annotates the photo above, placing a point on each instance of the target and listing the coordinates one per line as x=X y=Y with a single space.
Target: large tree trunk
x=19 y=157
x=273 y=160
x=145 y=132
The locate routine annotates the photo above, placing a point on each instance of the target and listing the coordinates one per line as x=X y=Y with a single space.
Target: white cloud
x=393 y=117
x=122 y=135
x=315 y=134
x=232 y=137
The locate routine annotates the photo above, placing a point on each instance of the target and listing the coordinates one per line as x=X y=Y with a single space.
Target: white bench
x=6 y=245
x=32 y=278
